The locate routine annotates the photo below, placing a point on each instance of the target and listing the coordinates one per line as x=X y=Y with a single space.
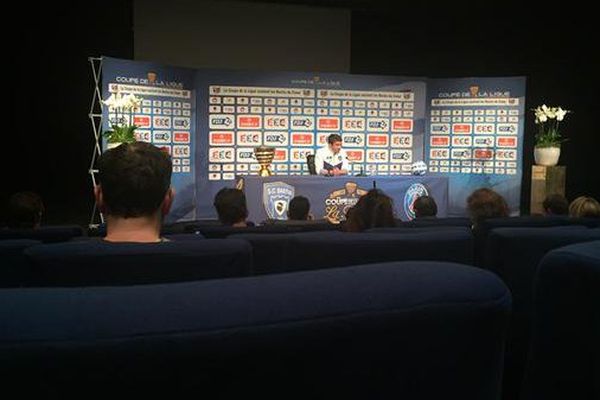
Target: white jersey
x=326 y=160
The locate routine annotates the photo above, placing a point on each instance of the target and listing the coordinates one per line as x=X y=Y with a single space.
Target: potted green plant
x=122 y=107
x=548 y=139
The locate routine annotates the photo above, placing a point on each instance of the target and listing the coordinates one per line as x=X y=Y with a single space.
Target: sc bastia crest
x=415 y=191
x=276 y=199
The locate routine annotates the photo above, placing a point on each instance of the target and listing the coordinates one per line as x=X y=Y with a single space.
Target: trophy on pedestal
x=264 y=156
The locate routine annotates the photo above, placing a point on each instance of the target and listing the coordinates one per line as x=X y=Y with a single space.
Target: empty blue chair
x=565 y=346
x=419 y=330
x=96 y=262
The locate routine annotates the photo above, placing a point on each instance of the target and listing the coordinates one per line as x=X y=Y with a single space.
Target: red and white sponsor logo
x=377 y=140
x=402 y=125
x=322 y=139
x=181 y=150
x=439 y=154
x=401 y=140
x=276 y=122
x=249 y=138
x=303 y=139
x=461 y=129
x=461 y=154
x=352 y=124
x=401 y=156
x=299 y=155
x=221 y=154
x=377 y=156
x=439 y=141
x=484 y=129
x=161 y=122
x=506 y=154
x=506 y=142
x=141 y=121
x=355 y=155
x=459 y=141
x=328 y=123
x=142 y=136
x=483 y=154
x=181 y=137
x=217 y=138
x=281 y=155
x=249 y=121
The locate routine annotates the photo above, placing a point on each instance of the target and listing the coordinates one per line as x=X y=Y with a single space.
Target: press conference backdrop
x=468 y=129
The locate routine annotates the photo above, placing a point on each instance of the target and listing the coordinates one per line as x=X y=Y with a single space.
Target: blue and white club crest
x=276 y=199
x=415 y=191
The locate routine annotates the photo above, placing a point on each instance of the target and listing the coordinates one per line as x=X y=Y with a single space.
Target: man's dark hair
x=556 y=204
x=484 y=203
x=299 y=208
x=334 y=137
x=25 y=210
x=374 y=209
x=134 y=178
x=425 y=206
x=231 y=206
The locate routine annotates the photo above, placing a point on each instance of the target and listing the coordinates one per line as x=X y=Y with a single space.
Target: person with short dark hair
x=373 y=210
x=556 y=204
x=331 y=160
x=584 y=207
x=485 y=203
x=298 y=209
x=134 y=192
x=25 y=210
x=231 y=207
x=425 y=207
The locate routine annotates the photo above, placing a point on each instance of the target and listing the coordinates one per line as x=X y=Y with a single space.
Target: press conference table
x=268 y=197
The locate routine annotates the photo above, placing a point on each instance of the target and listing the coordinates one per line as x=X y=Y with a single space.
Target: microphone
x=374 y=185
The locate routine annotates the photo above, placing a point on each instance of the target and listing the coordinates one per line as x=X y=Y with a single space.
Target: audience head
x=375 y=209
x=25 y=210
x=299 y=208
x=134 y=181
x=584 y=207
x=425 y=206
x=231 y=207
x=556 y=204
x=484 y=203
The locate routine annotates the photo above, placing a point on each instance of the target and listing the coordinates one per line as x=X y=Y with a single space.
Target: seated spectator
x=425 y=207
x=556 y=204
x=485 y=203
x=134 y=192
x=299 y=209
x=25 y=210
x=231 y=207
x=373 y=210
x=584 y=207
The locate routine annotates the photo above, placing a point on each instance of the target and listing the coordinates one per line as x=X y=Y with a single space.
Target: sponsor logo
x=143 y=136
x=299 y=155
x=378 y=124
x=276 y=122
x=303 y=123
x=141 y=121
x=355 y=155
x=221 y=154
x=414 y=191
x=181 y=150
x=507 y=129
x=461 y=129
x=249 y=121
x=504 y=141
x=461 y=154
x=339 y=201
x=462 y=141
x=303 y=139
x=181 y=123
x=439 y=153
x=328 y=123
x=276 y=138
x=161 y=122
x=483 y=154
x=485 y=129
x=402 y=125
x=353 y=124
x=400 y=140
x=276 y=199
x=220 y=121
x=220 y=138
x=249 y=138
x=401 y=156
x=281 y=155
x=181 y=137
x=161 y=137
x=377 y=156
x=377 y=140
x=439 y=141
x=353 y=139
x=506 y=155
x=484 y=141
x=245 y=155
x=440 y=129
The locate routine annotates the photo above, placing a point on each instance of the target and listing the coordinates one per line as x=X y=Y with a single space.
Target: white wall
x=237 y=35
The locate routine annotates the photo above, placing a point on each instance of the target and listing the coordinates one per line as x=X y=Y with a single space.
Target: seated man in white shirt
x=331 y=160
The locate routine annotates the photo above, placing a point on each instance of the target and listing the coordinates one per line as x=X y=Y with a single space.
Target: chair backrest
x=398 y=330
x=95 y=262
x=310 y=161
x=565 y=353
x=46 y=234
